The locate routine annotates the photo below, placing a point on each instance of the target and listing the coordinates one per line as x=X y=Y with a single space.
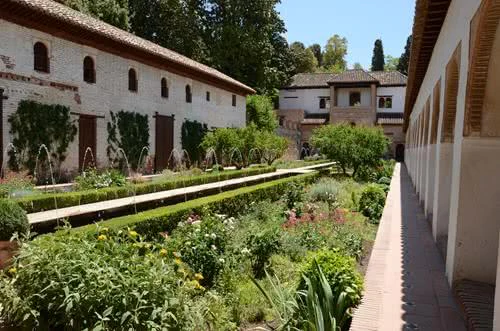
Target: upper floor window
x=164 y=88
x=234 y=100
x=208 y=96
x=322 y=103
x=88 y=70
x=355 y=99
x=41 y=57
x=189 y=94
x=385 y=102
x=132 y=80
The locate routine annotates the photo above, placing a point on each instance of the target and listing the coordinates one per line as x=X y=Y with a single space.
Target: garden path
x=405 y=283
x=92 y=208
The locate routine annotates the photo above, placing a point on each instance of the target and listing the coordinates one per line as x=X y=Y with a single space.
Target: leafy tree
x=260 y=112
x=271 y=145
x=114 y=12
x=335 y=52
x=391 y=63
x=405 y=57
x=358 y=66
x=318 y=53
x=352 y=147
x=223 y=141
x=378 y=60
x=304 y=59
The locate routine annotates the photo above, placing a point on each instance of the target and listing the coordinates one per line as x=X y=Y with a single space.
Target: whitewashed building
x=355 y=96
x=52 y=54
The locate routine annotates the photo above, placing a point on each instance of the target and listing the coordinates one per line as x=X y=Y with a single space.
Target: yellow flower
x=102 y=237
x=198 y=276
x=163 y=252
x=104 y=229
x=132 y=233
x=12 y=270
x=178 y=261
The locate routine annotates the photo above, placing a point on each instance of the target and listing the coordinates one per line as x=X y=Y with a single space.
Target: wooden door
x=164 y=142
x=87 y=137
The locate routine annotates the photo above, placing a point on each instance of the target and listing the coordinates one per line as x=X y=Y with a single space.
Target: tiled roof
x=64 y=14
x=389 y=77
x=320 y=80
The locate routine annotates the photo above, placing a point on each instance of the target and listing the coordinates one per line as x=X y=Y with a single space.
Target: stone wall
x=64 y=85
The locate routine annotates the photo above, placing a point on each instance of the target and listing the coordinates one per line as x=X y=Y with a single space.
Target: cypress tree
x=405 y=57
x=378 y=59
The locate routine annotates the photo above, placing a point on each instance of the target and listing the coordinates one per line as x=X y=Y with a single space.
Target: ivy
x=130 y=132
x=34 y=124
x=193 y=133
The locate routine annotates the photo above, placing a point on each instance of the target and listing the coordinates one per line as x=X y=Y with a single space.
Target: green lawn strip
x=152 y=222
x=43 y=202
x=297 y=164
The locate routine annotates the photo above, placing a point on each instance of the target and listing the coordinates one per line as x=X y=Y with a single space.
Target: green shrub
x=15 y=183
x=341 y=273
x=13 y=219
x=372 y=202
x=326 y=190
x=47 y=201
x=294 y=194
x=102 y=281
x=92 y=179
x=262 y=246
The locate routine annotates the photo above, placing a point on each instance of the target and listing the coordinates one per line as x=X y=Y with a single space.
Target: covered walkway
x=405 y=285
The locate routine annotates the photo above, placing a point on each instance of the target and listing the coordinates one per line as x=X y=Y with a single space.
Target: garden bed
x=292 y=164
x=49 y=201
x=230 y=261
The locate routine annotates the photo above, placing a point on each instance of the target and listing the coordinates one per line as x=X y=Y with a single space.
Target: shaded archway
x=400 y=153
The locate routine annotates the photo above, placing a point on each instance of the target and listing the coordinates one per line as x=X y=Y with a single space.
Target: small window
x=189 y=95
x=381 y=102
x=355 y=99
x=322 y=103
x=388 y=103
x=41 y=57
x=208 y=96
x=234 y=100
x=164 y=88
x=281 y=120
x=132 y=80
x=88 y=70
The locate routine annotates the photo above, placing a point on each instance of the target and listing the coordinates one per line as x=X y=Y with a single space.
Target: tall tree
x=378 y=59
x=114 y=12
x=318 y=53
x=357 y=66
x=391 y=63
x=303 y=59
x=335 y=52
x=404 y=60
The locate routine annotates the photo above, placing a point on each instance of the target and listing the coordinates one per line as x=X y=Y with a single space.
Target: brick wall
x=64 y=85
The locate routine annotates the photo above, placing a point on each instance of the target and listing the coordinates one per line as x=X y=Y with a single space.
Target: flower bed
x=188 y=267
x=42 y=202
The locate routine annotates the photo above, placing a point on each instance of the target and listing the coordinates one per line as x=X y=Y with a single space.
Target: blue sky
x=360 y=21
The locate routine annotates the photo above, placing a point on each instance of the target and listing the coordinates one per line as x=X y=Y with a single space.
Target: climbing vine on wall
x=193 y=133
x=128 y=131
x=34 y=124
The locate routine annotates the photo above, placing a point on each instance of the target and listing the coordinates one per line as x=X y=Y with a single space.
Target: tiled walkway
x=405 y=284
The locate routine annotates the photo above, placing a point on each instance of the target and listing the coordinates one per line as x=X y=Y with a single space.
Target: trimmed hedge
x=152 y=222
x=43 y=202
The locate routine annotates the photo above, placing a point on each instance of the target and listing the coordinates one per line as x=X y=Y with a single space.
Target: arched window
x=164 y=88
x=41 y=57
x=189 y=95
x=322 y=103
x=88 y=70
x=388 y=103
x=132 y=80
x=381 y=102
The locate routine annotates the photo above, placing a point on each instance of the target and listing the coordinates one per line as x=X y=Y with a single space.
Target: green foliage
x=114 y=12
x=13 y=219
x=303 y=58
x=130 y=132
x=372 y=202
x=93 y=179
x=378 y=58
x=261 y=113
x=34 y=124
x=201 y=244
x=391 y=63
x=341 y=273
x=41 y=202
x=262 y=246
x=101 y=281
x=193 y=133
x=404 y=60
x=223 y=141
x=352 y=147
x=318 y=53
x=326 y=190
x=334 y=55
x=294 y=194
x=384 y=169
x=272 y=145
x=15 y=183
